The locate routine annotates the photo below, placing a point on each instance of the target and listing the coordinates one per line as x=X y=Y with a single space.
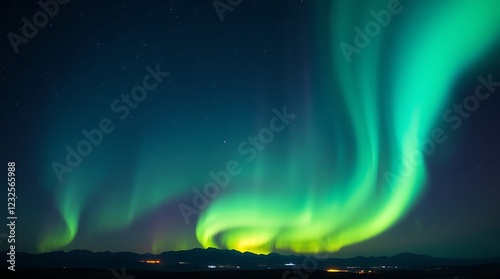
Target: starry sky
x=298 y=127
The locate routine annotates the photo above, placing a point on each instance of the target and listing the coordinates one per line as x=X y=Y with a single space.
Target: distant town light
x=151 y=261
x=336 y=270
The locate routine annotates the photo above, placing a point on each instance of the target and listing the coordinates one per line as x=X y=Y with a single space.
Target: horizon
x=249 y=252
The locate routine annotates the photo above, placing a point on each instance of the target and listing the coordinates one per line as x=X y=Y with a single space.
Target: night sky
x=294 y=126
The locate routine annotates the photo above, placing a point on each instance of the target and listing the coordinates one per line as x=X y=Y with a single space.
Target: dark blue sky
x=213 y=86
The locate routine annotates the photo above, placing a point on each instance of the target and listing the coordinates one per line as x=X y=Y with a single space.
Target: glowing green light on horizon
x=64 y=234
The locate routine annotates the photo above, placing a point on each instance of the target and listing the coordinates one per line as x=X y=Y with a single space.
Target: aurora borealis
x=371 y=160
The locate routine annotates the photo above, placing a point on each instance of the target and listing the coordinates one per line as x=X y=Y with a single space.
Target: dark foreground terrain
x=454 y=273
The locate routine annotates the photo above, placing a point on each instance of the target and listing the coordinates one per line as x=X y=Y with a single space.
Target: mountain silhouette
x=200 y=259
